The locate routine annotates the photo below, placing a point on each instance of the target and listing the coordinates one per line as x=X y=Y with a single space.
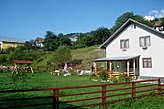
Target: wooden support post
x=133 y=89
x=55 y=98
x=128 y=68
x=159 y=87
x=110 y=68
x=134 y=68
x=31 y=70
x=104 y=96
x=95 y=67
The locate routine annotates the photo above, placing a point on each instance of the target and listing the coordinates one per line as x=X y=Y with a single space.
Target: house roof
x=158 y=23
x=10 y=39
x=22 y=61
x=116 y=58
x=12 y=42
x=39 y=40
x=128 y=22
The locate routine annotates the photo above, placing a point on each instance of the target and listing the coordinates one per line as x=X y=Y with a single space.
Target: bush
x=123 y=78
x=103 y=75
x=94 y=77
x=113 y=79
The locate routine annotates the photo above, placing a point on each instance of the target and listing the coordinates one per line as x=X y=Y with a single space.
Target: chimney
x=159 y=26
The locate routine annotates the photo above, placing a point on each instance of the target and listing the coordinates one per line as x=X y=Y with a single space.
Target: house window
x=133 y=26
x=161 y=28
x=145 y=41
x=124 y=43
x=147 y=62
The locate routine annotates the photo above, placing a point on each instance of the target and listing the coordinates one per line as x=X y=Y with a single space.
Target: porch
x=127 y=65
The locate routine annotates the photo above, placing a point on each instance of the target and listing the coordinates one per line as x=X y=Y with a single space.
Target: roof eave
x=104 y=45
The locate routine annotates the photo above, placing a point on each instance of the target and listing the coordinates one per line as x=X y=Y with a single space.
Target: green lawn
x=46 y=80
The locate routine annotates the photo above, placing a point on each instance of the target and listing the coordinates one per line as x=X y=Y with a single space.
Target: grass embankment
x=85 y=54
x=46 y=80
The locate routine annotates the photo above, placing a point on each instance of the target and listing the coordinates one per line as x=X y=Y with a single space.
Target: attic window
x=161 y=28
x=133 y=26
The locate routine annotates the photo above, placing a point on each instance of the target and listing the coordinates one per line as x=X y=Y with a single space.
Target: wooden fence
x=81 y=96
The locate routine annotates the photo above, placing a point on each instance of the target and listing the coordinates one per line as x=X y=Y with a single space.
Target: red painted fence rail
x=74 y=97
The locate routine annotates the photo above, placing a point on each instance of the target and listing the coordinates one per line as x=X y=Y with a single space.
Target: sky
x=28 y=19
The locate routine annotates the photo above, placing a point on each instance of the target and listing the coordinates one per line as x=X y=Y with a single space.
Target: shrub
x=113 y=79
x=123 y=78
x=94 y=77
x=103 y=75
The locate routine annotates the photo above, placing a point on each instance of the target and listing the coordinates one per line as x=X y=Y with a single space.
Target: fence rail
x=74 y=97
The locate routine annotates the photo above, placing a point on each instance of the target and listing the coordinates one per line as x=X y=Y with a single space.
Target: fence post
x=133 y=89
x=56 y=98
x=159 y=86
x=104 y=96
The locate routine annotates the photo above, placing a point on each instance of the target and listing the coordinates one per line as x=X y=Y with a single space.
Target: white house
x=137 y=49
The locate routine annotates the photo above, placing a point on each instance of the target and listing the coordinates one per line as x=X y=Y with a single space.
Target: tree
x=50 y=41
x=3 y=59
x=64 y=40
x=62 y=55
x=20 y=54
x=101 y=34
x=87 y=40
x=123 y=18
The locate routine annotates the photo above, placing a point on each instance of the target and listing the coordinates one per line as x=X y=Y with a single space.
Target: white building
x=136 y=49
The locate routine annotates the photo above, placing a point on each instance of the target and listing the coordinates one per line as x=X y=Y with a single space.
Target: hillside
x=85 y=54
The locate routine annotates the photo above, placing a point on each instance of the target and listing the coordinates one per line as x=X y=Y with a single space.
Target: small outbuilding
x=17 y=64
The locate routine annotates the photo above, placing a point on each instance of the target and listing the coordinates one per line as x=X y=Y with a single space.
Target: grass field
x=46 y=80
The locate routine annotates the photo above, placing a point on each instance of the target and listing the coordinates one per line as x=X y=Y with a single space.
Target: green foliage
x=51 y=41
x=101 y=34
x=28 y=45
x=62 y=55
x=94 y=77
x=123 y=78
x=20 y=78
x=21 y=54
x=3 y=58
x=64 y=40
x=103 y=75
x=113 y=79
x=9 y=50
x=120 y=78
x=124 y=17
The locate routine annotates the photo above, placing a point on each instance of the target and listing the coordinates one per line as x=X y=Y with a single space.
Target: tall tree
x=123 y=18
x=101 y=34
x=62 y=55
x=50 y=41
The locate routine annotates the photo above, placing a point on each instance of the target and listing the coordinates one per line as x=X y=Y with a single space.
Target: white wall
x=155 y=51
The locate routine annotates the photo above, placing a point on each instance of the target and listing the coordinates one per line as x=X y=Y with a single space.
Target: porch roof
x=121 y=58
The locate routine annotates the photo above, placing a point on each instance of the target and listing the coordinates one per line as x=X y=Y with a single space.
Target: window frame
x=144 y=38
x=147 y=62
x=124 y=41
